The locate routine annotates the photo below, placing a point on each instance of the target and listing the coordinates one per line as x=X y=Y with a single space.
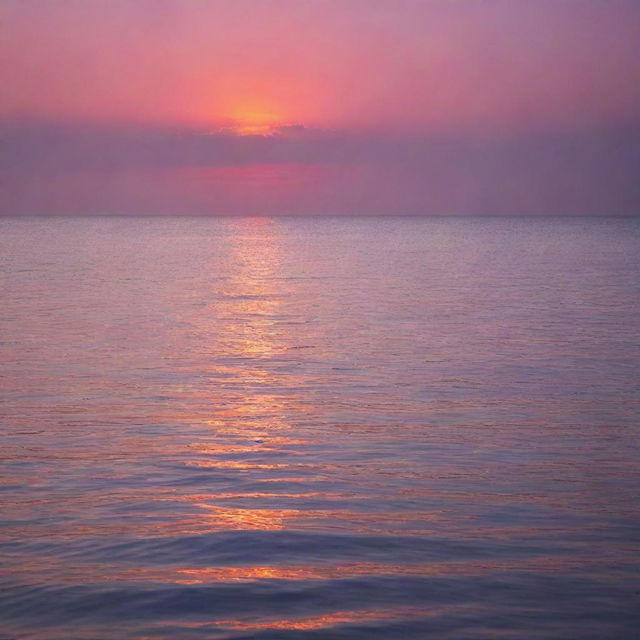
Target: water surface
x=331 y=428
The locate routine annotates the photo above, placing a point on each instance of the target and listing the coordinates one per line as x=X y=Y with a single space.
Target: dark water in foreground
x=327 y=429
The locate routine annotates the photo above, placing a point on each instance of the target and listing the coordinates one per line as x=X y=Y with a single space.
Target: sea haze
x=325 y=428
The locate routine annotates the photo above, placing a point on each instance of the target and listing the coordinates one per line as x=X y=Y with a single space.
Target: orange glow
x=253 y=117
x=331 y=66
x=223 y=519
x=79 y=572
x=324 y=620
x=207 y=575
x=252 y=122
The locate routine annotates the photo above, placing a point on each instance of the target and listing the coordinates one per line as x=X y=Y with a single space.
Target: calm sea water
x=341 y=429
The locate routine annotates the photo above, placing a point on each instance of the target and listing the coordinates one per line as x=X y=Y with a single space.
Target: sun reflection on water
x=244 y=325
x=325 y=620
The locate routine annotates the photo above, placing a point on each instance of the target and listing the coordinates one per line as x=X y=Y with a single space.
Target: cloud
x=132 y=168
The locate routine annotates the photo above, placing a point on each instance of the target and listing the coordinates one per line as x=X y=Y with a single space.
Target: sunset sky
x=320 y=106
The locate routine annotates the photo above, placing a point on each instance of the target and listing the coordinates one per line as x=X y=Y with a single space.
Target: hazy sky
x=320 y=106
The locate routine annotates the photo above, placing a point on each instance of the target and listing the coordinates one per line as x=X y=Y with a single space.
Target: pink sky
x=320 y=106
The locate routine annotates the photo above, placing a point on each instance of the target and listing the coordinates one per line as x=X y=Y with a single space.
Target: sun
x=254 y=118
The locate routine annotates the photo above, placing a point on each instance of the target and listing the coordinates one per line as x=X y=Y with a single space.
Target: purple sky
x=320 y=106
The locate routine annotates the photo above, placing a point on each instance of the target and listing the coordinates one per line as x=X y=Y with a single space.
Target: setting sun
x=254 y=118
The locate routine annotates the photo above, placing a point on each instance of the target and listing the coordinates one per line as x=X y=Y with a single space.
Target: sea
x=319 y=428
